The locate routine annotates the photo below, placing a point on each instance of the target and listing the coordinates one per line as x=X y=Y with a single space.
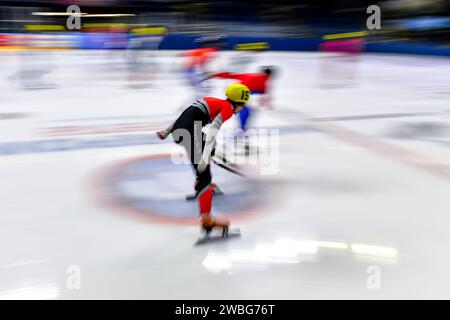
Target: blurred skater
x=258 y=83
x=196 y=62
x=187 y=131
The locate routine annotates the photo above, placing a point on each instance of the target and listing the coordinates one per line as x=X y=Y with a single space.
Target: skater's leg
x=205 y=189
x=242 y=135
x=205 y=203
x=204 y=192
x=191 y=76
x=244 y=116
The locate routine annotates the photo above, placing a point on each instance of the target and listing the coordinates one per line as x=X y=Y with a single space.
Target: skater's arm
x=226 y=75
x=165 y=132
x=210 y=143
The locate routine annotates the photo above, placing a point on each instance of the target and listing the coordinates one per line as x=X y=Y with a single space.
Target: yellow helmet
x=238 y=92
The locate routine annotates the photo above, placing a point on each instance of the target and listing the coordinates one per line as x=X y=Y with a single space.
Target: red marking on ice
x=97 y=194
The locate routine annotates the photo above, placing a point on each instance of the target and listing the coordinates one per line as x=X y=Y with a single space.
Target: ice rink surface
x=358 y=205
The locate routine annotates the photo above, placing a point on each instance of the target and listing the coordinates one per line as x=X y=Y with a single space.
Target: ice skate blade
x=232 y=234
x=191 y=197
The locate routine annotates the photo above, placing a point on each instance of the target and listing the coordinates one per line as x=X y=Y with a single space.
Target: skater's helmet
x=238 y=92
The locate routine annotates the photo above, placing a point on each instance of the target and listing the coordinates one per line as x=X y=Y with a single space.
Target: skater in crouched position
x=187 y=131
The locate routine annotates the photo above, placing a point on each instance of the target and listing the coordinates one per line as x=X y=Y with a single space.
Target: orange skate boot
x=209 y=222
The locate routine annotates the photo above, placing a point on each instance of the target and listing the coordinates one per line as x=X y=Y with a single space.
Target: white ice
x=362 y=192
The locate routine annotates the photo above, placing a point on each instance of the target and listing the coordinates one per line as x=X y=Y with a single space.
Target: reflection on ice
x=375 y=251
x=38 y=292
x=290 y=252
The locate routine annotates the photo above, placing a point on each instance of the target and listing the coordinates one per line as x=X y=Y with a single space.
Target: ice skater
x=196 y=62
x=187 y=131
x=258 y=83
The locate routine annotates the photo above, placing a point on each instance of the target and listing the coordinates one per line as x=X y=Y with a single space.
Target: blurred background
x=93 y=207
x=414 y=20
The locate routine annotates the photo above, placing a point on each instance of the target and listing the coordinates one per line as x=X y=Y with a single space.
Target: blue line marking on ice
x=116 y=141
